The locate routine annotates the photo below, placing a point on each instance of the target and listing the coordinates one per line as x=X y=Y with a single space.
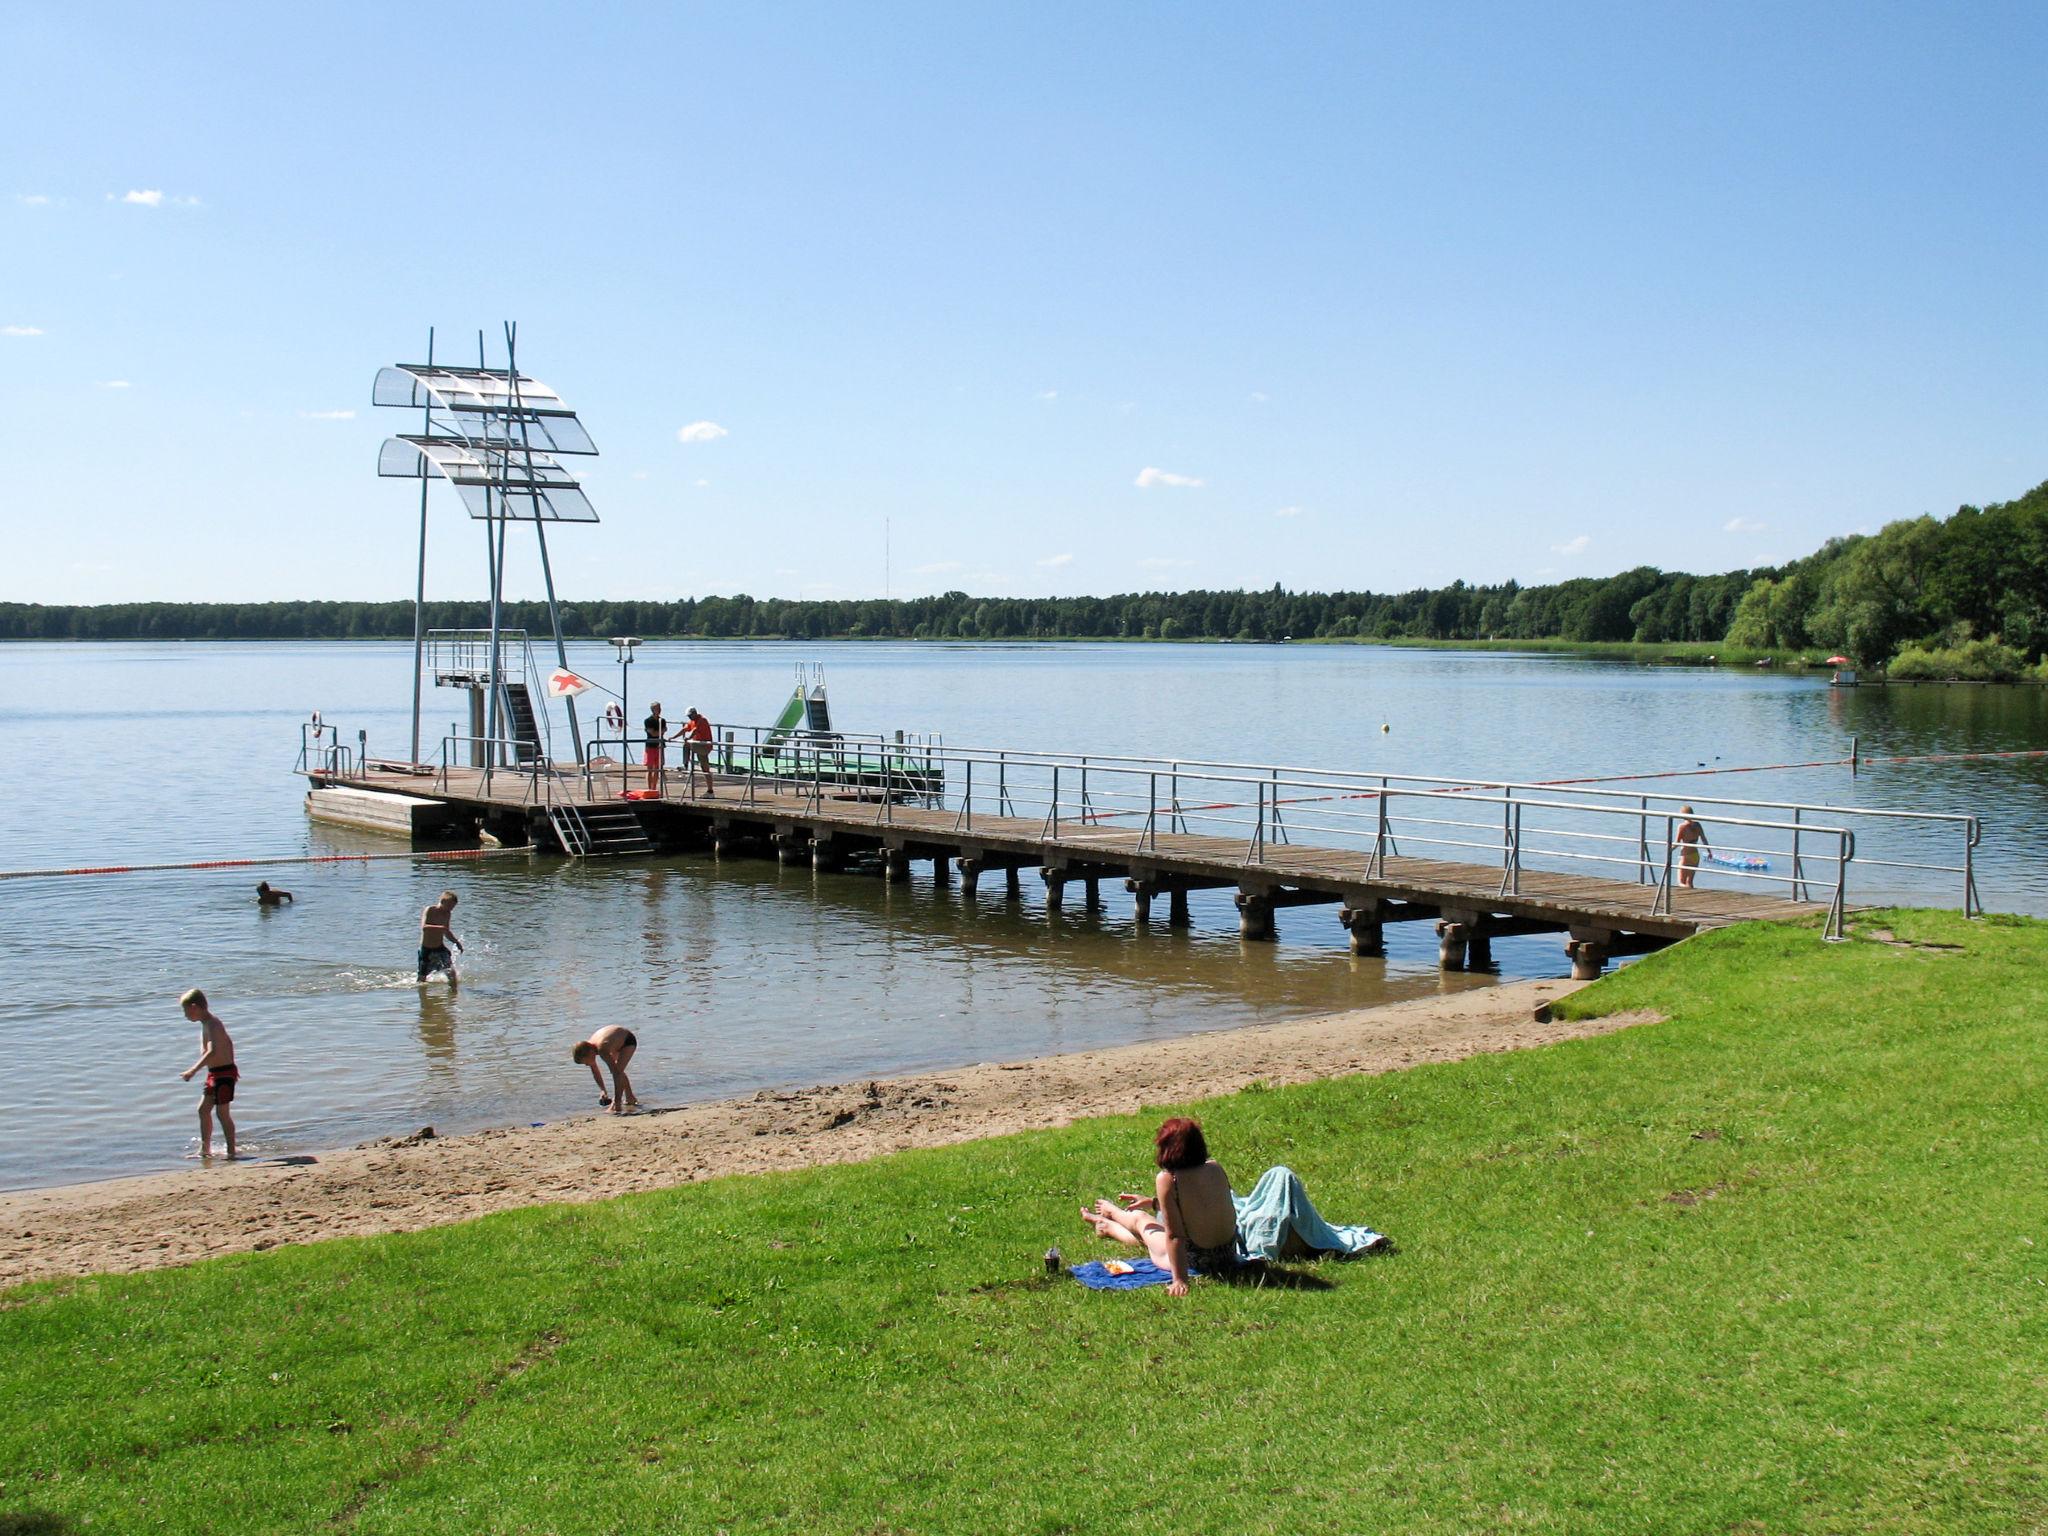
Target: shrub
x=1976 y=661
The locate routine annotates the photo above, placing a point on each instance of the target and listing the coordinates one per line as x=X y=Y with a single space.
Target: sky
x=1019 y=300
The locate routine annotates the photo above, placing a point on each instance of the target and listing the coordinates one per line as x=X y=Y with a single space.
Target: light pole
x=625 y=646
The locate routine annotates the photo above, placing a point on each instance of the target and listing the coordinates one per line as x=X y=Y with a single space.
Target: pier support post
x=1479 y=950
x=1141 y=899
x=1055 y=887
x=1093 y=900
x=1255 y=915
x=895 y=865
x=970 y=877
x=1368 y=934
x=1177 y=909
x=789 y=847
x=942 y=871
x=1013 y=885
x=1451 y=941
x=1588 y=952
x=824 y=859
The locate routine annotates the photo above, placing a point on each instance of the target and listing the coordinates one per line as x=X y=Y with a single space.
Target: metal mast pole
x=495 y=548
x=419 y=591
x=540 y=532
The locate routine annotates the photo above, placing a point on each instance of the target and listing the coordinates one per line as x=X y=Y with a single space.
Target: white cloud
x=1048 y=394
x=700 y=484
x=21 y=330
x=1743 y=525
x=1577 y=546
x=327 y=415
x=150 y=199
x=639 y=474
x=787 y=570
x=1054 y=562
x=1163 y=563
x=115 y=384
x=700 y=432
x=1287 y=511
x=33 y=199
x=1259 y=397
x=1149 y=477
x=937 y=568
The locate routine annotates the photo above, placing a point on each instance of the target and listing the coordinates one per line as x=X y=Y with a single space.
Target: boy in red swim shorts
x=217 y=1057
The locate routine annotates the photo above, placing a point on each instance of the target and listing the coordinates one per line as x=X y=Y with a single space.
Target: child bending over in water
x=613 y=1045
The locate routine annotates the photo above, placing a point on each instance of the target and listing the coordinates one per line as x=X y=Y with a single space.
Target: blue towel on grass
x=1096 y=1276
x=1279 y=1204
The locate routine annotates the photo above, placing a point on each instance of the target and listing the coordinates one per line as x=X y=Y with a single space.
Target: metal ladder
x=597 y=832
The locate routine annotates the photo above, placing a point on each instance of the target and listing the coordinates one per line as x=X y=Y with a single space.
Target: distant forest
x=1975 y=581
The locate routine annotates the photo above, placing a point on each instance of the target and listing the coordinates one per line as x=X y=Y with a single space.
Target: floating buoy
x=1385 y=728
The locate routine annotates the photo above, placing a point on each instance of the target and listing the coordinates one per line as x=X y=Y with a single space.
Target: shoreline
x=404 y=1183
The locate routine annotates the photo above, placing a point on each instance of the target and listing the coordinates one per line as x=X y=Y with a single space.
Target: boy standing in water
x=435 y=937
x=217 y=1056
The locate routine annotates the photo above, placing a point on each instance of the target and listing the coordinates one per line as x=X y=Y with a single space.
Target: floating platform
x=387 y=810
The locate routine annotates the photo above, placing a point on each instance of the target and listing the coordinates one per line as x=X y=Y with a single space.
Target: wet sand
x=404 y=1182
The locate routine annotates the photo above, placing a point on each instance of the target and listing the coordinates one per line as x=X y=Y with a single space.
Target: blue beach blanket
x=1096 y=1276
x=1277 y=1205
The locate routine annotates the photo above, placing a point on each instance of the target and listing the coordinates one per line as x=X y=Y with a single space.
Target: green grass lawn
x=1775 y=1264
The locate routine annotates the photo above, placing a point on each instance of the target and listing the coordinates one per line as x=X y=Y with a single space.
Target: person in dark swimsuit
x=217 y=1057
x=436 y=936
x=656 y=742
x=1188 y=1221
x=613 y=1045
x=267 y=895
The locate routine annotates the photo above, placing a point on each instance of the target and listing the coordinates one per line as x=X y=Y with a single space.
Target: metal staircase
x=599 y=831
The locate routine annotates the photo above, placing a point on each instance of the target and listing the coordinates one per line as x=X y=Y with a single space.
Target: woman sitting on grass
x=1189 y=1218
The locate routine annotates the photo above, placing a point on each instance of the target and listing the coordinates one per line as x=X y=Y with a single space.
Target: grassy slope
x=1837 y=1326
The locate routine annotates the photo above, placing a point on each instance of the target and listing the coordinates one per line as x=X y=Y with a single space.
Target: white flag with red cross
x=564 y=684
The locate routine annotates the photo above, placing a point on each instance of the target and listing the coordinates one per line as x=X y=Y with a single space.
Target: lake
x=746 y=975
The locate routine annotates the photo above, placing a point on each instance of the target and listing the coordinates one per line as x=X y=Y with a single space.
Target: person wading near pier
x=1692 y=841
x=696 y=734
x=435 y=937
x=656 y=730
x=217 y=1058
x=613 y=1045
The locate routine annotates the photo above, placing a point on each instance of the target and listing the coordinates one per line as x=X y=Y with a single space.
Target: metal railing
x=1273 y=819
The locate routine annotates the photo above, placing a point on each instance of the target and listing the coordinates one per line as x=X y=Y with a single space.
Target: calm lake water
x=748 y=975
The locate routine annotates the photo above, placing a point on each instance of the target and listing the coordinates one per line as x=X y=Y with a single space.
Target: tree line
x=1975 y=579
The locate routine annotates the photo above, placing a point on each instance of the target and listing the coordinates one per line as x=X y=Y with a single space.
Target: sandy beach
x=407 y=1181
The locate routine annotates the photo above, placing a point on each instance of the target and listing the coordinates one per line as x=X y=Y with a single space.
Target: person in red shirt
x=697 y=749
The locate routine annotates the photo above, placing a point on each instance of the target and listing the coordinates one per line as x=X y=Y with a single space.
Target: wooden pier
x=1603 y=871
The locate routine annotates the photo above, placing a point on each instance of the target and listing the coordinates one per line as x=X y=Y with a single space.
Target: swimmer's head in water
x=582 y=1052
x=193 y=998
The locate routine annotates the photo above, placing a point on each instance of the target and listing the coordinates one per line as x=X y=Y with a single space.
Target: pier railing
x=1274 y=817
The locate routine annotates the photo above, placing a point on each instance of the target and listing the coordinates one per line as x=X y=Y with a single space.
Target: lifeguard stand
x=495 y=434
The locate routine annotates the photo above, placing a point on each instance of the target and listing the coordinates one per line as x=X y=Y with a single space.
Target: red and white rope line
x=251 y=863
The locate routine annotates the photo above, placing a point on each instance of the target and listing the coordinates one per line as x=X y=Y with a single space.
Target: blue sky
x=1078 y=298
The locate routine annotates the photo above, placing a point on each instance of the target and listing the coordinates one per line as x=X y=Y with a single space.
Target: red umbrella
x=1838 y=661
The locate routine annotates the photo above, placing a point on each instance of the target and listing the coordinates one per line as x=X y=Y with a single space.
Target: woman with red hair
x=1189 y=1218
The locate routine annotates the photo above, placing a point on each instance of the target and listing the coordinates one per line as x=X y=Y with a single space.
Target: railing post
x=969 y=798
x=1259 y=828
x=1378 y=865
x=1798 y=864
x=1972 y=830
x=1845 y=850
x=1053 y=816
x=1643 y=873
x=1662 y=903
x=1180 y=822
x=1151 y=812
x=1516 y=887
